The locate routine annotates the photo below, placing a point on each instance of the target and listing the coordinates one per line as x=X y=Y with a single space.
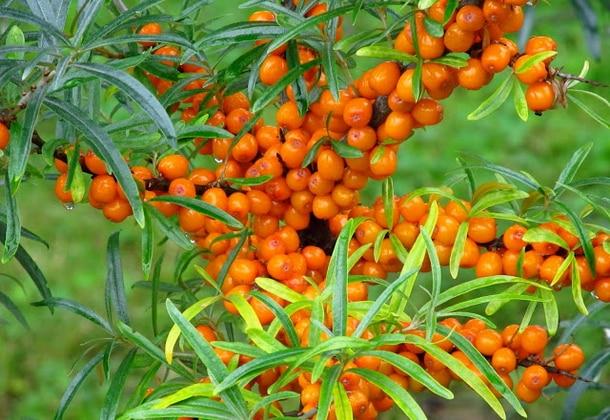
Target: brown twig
x=567 y=76
x=8 y=115
x=552 y=369
x=108 y=54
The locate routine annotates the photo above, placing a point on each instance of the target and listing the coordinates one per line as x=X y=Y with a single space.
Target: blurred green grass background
x=35 y=365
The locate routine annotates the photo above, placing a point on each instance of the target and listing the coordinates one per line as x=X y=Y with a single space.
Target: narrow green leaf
x=115 y=287
x=433 y=27
x=15 y=36
x=458 y=249
x=148 y=243
x=583 y=237
x=380 y=302
x=386 y=53
x=329 y=379
x=19 y=16
x=577 y=290
x=21 y=145
x=259 y=365
x=589 y=111
x=249 y=182
x=75 y=383
x=111 y=402
x=520 y=101
x=137 y=92
x=12 y=228
x=28 y=264
x=496 y=198
x=533 y=60
x=279 y=289
x=337 y=276
x=78 y=309
x=387 y=194
x=551 y=311
x=13 y=309
x=569 y=171
x=345 y=150
x=281 y=315
x=494 y=101
x=544 y=235
x=203 y=208
x=453 y=59
x=343 y=408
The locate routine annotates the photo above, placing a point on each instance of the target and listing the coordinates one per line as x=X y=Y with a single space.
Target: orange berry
x=488 y=341
x=535 y=377
x=116 y=211
x=482 y=229
x=512 y=237
x=272 y=69
x=495 y=57
x=428 y=112
x=504 y=360
x=383 y=161
x=534 y=339
x=473 y=76
x=470 y=18
x=534 y=74
x=526 y=394
x=602 y=289
x=568 y=357
x=489 y=264
x=358 y=112
x=540 y=96
x=60 y=185
x=384 y=77
x=95 y=164
x=152 y=28
x=173 y=166
x=182 y=187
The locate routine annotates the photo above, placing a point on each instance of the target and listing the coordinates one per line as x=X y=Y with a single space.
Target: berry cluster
x=513 y=354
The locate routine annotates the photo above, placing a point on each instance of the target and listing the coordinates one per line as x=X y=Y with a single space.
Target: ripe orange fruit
x=535 y=377
x=568 y=357
x=534 y=74
x=383 y=161
x=427 y=112
x=173 y=166
x=470 y=18
x=358 y=112
x=504 y=360
x=526 y=394
x=95 y=164
x=534 y=339
x=60 y=184
x=473 y=76
x=489 y=264
x=540 y=96
x=488 y=341
x=272 y=69
x=116 y=211
x=495 y=57
x=384 y=77
x=152 y=28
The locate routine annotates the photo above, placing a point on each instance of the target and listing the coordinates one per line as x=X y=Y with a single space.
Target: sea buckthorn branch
x=8 y=115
